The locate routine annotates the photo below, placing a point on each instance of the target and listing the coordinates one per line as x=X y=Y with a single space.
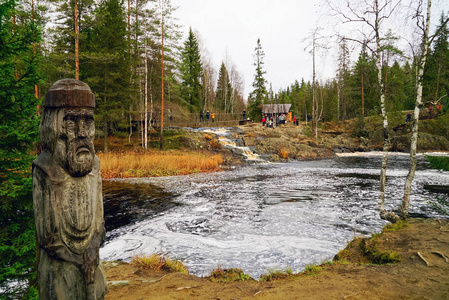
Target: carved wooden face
x=77 y=131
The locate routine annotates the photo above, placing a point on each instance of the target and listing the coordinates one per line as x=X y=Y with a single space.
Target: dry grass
x=156 y=163
x=215 y=144
x=157 y=262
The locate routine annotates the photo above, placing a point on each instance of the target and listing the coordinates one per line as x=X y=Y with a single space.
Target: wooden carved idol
x=68 y=205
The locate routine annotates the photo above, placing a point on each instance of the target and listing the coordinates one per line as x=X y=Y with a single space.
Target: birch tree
x=372 y=15
x=209 y=76
x=315 y=45
x=423 y=23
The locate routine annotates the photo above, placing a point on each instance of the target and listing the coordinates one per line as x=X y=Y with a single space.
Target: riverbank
x=202 y=150
x=422 y=273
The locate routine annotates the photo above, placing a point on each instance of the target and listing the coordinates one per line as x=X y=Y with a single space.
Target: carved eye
x=70 y=125
x=89 y=119
x=71 y=118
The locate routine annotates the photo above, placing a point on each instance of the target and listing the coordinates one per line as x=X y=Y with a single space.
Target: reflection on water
x=259 y=217
x=126 y=203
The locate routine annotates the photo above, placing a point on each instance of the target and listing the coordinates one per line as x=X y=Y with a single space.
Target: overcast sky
x=233 y=27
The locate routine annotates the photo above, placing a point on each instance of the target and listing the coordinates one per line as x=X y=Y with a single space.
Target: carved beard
x=79 y=157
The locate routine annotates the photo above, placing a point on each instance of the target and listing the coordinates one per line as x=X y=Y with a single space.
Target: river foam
x=269 y=216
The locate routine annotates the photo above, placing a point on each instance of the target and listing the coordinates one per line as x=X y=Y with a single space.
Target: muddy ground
x=422 y=273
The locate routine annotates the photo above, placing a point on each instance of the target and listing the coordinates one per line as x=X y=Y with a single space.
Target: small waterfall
x=242 y=150
x=233 y=145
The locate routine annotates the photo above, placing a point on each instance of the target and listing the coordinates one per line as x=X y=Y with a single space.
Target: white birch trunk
x=383 y=172
x=314 y=104
x=404 y=208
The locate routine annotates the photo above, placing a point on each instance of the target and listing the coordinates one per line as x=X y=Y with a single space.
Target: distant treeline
x=354 y=91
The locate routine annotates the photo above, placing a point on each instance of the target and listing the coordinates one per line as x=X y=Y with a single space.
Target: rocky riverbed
x=288 y=141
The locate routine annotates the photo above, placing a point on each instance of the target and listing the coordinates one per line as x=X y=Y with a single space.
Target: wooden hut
x=271 y=110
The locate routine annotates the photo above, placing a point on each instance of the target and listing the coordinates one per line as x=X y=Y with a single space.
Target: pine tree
x=172 y=35
x=396 y=88
x=62 y=59
x=191 y=73
x=408 y=102
x=259 y=94
x=436 y=78
x=224 y=89
x=343 y=75
x=364 y=87
x=19 y=73
x=295 y=97
x=108 y=72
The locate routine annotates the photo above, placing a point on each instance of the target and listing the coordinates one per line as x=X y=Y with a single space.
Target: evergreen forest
x=133 y=56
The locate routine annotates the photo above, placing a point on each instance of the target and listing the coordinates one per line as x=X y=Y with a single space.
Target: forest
x=132 y=55
x=123 y=50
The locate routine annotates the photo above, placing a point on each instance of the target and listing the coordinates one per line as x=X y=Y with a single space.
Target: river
x=263 y=216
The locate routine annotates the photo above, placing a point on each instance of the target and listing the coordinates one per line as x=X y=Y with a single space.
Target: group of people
x=270 y=121
x=431 y=111
x=438 y=107
x=273 y=121
x=208 y=116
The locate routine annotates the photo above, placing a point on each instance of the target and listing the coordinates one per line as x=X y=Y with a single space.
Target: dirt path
x=411 y=278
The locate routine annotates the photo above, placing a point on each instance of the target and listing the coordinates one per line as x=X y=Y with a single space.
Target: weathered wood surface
x=67 y=197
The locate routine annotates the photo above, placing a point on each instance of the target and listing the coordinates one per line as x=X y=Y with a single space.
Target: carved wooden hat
x=69 y=93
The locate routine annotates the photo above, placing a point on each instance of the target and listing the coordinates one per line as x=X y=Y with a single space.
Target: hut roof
x=276 y=108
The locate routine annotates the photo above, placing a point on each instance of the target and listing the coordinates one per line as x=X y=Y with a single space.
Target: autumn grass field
x=155 y=163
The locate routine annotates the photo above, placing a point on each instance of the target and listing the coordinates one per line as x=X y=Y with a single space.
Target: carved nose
x=82 y=129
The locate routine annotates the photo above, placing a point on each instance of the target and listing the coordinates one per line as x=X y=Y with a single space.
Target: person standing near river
x=207 y=116
x=408 y=118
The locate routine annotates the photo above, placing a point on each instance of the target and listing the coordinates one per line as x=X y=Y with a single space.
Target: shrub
x=370 y=249
x=228 y=275
x=214 y=143
x=276 y=274
x=157 y=262
x=395 y=226
x=314 y=269
x=439 y=162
